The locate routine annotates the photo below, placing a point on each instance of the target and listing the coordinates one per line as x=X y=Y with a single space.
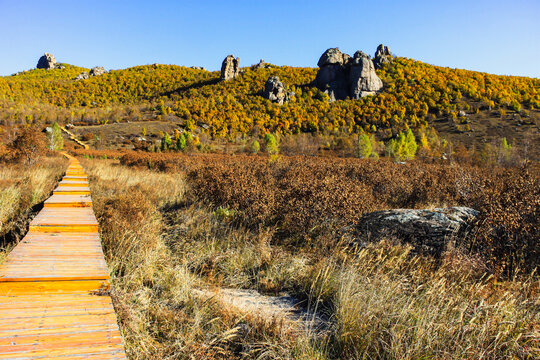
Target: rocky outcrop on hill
x=47 y=61
x=82 y=76
x=341 y=76
x=382 y=56
x=97 y=71
x=260 y=65
x=230 y=68
x=198 y=68
x=275 y=91
x=332 y=76
x=428 y=231
x=362 y=77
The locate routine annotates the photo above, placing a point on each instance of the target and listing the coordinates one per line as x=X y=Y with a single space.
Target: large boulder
x=230 y=68
x=97 y=71
x=341 y=76
x=275 y=91
x=332 y=76
x=429 y=231
x=47 y=61
x=362 y=77
x=333 y=56
x=382 y=56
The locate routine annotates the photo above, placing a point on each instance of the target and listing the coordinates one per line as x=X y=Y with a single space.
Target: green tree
x=54 y=137
x=505 y=151
x=410 y=144
x=364 y=147
x=181 y=142
x=403 y=147
x=271 y=144
x=255 y=147
x=166 y=142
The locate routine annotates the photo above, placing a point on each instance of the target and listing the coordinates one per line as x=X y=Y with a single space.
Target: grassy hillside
x=459 y=103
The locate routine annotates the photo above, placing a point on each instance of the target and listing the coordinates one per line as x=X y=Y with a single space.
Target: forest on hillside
x=414 y=95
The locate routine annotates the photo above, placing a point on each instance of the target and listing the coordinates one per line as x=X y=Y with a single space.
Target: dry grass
x=22 y=187
x=381 y=301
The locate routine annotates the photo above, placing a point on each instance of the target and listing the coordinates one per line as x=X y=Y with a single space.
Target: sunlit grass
x=379 y=302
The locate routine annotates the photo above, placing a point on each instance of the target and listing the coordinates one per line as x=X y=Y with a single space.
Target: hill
x=464 y=106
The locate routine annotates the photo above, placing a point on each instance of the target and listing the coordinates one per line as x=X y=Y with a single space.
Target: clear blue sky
x=501 y=37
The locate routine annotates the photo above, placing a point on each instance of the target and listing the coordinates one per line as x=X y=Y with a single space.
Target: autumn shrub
x=29 y=145
x=88 y=137
x=306 y=196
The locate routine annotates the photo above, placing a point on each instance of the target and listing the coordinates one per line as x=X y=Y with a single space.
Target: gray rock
x=333 y=56
x=382 y=56
x=198 y=68
x=97 y=71
x=47 y=61
x=260 y=65
x=230 y=68
x=82 y=76
x=428 y=231
x=362 y=77
x=332 y=76
x=341 y=76
x=275 y=91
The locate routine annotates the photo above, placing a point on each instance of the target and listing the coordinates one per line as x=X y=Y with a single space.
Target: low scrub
x=381 y=301
x=304 y=197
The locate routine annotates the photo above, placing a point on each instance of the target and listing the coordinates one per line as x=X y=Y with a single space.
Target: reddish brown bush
x=27 y=147
x=299 y=195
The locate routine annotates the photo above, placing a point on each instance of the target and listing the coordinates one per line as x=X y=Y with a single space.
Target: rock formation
x=332 y=76
x=382 y=56
x=362 y=77
x=260 y=65
x=275 y=91
x=97 y=71
x=47 y=61
x=427 y=230
x=230 y=68
x=82 y=76
x=341 y=76
x=198 y=68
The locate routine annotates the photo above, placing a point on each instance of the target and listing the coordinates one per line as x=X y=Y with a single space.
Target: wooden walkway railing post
x=53 y=285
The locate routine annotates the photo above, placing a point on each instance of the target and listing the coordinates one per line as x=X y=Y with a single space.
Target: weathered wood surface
x=53 y=284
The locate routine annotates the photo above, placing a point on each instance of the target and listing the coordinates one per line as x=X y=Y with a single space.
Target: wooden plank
x=63 y=200
x=40 y=287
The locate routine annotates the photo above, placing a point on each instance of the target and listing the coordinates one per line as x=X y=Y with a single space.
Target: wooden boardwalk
x=53 y=285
